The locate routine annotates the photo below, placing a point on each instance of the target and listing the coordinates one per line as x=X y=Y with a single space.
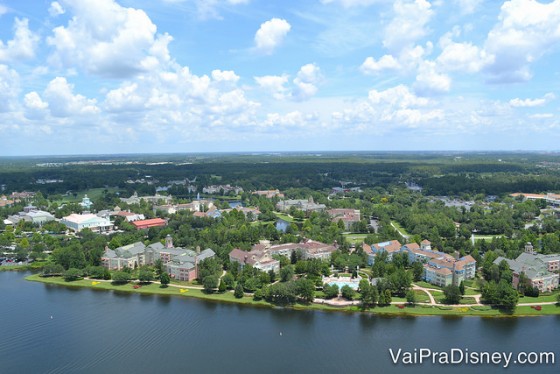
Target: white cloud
x=429 y=81
x=308 y=77
x=35 y=107
x=409 y=24
x=227 y=76
x=463 y=57
x=9 y=88
x=528 y=103
x=271 y=34
x=351 y=3
x=63 y=103
x=387 y=62
x=22 y=46
x=274 y=84
x=3 y=9
x=124 y=99
x=526 y=31
x=542 y=116
x=56 y=9
x=294 y=119
x=468 y=6
x=107 y=39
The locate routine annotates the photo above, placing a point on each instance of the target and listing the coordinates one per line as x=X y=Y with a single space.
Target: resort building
x=4 y=201
x=347 y=216
x=550 y=198
x=252 y=212
x=179 y=263
x=390 y=247
x=440 y=268
x=258 y=258
x=149 y=223
x=541 y=270
x=78 y=222
x=446 y=270
x=86 y=203
x=222 y=189
x=307 y=206
x=156 y=199
x=309 y=249
x=269 y=194
x=30 y=214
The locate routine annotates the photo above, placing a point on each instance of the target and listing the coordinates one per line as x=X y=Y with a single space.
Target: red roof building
x=148 y=223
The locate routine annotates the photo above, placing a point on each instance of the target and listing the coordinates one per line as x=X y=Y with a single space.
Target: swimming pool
x=341 y=282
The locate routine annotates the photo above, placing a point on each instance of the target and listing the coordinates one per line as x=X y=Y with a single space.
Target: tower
x=168 y=241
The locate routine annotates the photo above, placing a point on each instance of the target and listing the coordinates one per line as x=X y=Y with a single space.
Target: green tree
x=462 y=287
x=50 y=270
x=158 y=265
x=120 y=277
x=287 y=273
x=417 y=271
x=210 y=282
x=452 y=294
x=305 y=289
x=368 y=294
x=411 y=297
x=229 y=281
x=222 y=287
x=388 y=298
x=145 y=275
x=72 y=274
x=238 y=293
x=330 y=291
x=164 y=279
x=347 y=292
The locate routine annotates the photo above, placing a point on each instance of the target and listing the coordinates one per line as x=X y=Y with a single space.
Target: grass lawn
x=418 y=310
x=421 y=296
x=152 y=288
x=286 y=217
x=400 y=228
x=467 y=300
x=355 y=238
x=470 y=292
x=93 y=194
x=427 y=285
x=541 y=299
x=487 y=237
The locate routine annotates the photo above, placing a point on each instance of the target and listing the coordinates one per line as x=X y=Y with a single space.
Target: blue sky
x=106 y=76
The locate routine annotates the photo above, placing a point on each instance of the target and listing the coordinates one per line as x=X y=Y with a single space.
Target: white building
x=78 y=222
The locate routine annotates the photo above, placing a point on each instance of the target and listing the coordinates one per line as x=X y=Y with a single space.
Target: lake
x=94 y=331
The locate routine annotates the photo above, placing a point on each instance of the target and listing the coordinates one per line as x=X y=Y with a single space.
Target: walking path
x=399 y=231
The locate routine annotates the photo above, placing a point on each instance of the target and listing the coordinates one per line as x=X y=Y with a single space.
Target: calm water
x=105 y=332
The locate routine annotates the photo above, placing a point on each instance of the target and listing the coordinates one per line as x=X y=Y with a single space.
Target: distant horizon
x=272 y=153
x=135 y=76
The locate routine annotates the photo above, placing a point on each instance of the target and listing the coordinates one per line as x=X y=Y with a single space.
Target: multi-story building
x=180 y=263
x=541 y=270
x=347 y=216
x=78 y=222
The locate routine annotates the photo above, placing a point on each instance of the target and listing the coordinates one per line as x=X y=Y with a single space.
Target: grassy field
x=541 y=299
x=152 y=288
x=418 y=310
x=427 y=285
x=286 y=217
x=93 y=194
x=354 y=238
x=400 y=228
x=487 y=237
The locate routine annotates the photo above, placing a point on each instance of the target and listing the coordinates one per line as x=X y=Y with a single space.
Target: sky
x=159 y=76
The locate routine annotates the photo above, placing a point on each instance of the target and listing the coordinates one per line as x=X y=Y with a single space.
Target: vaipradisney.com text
x=463 y=356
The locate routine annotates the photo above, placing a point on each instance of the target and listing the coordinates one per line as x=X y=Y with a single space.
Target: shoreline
x=393 y=310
